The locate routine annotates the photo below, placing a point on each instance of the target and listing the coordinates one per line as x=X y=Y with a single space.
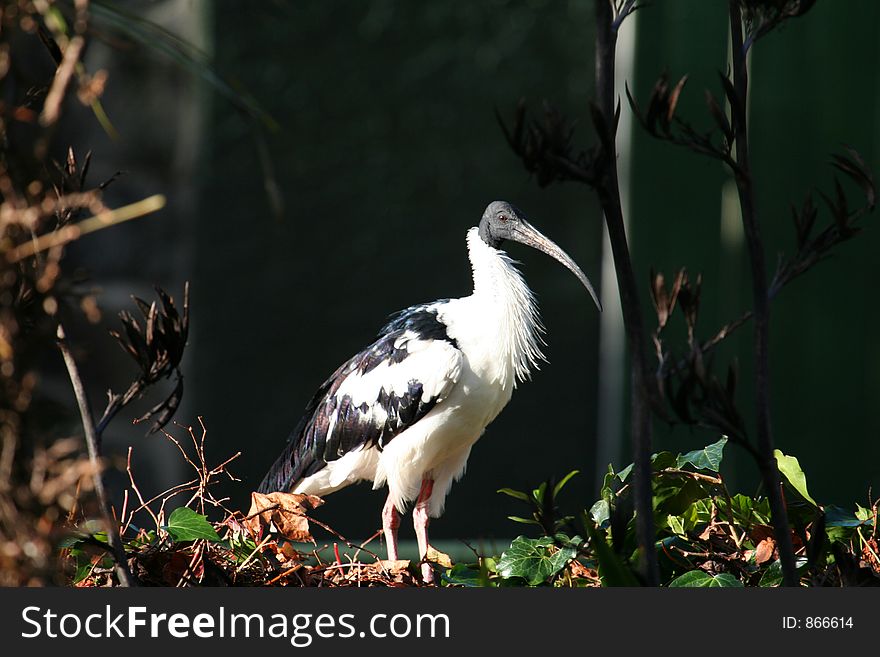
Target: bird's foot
x=427 y=572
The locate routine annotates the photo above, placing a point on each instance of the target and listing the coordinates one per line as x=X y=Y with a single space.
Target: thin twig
x=693 y=475
x=97 y=222
x=340 y=566
x=123 y=514
x=137 y=492
x=94 y=448
x=343 y=539
x=285 y=574
x=367 y=542
x=52 y=106
x=169 y=493
x=709 y=555
x=761 y=299
x=706 y=346
x=251 y=555
x=471 y=548
x=204 y=476
x=198 y=554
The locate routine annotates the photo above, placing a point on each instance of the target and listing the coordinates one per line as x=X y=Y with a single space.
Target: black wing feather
x=310 y=448
x=298 y=459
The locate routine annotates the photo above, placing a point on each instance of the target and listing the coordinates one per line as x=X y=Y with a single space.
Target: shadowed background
x=301 y=238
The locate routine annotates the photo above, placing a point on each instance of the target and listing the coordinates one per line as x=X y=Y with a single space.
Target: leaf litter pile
x=706 y=536
x=272 y=545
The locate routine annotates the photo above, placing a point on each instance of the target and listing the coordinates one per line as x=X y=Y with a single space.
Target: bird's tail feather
x=280 y=475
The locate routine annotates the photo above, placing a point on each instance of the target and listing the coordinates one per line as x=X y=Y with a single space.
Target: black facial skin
x=501 y=221
x=497 y=223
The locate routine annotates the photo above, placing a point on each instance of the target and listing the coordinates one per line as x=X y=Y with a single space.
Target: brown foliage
x=282 y=512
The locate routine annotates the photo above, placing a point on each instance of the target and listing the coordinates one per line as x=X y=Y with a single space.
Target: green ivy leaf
x=699 y=513
x=463 y=575
x=836 y=516
x=663 y=460
x=708 y=458
x=791 y=470
x=689 y=518
x=241 y=547
x=702 y=579
x=746 y=510
x=83 y=568
x=676 y=524
x=184 y=524
x=71 y=540
x=600 y=512
x=864 y=514
x=659 y=461
x=83 y=564
x=612 y=569
x=673 y=495
x=535 y=560
x=773 y=574
x=569 y=541
x=608 y=482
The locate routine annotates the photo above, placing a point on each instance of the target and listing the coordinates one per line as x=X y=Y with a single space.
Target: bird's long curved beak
x=525 y=233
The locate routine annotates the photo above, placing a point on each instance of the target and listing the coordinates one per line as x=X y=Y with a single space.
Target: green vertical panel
x=815 y=88
x=676 y=194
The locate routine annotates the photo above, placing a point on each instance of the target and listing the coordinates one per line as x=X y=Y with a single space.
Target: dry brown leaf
x=176 y=567
x=395 y=565
x=285 y=512
x=381 y=573
x=578 y=569
x=398 y=572
x=289 y=553
x=764 y=550
x=869 y=554
x=440 y=558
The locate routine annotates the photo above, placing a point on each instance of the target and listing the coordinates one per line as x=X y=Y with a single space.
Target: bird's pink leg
x=420 y=524
x=390 y=523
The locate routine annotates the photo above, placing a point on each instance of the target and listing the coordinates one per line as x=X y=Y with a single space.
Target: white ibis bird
x=406 y=410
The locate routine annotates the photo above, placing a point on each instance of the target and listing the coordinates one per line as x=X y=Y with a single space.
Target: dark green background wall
x=387 y=150
x=814 y=86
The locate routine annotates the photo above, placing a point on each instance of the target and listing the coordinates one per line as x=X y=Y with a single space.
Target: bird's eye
x=502 y=217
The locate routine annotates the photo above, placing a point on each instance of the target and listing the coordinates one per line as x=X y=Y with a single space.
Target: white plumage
x=406 y=411
x=497 y=329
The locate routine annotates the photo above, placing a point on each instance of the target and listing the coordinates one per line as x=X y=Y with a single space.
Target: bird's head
x=501 y=221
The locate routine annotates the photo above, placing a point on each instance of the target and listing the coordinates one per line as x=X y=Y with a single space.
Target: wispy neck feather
x=503 y=296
